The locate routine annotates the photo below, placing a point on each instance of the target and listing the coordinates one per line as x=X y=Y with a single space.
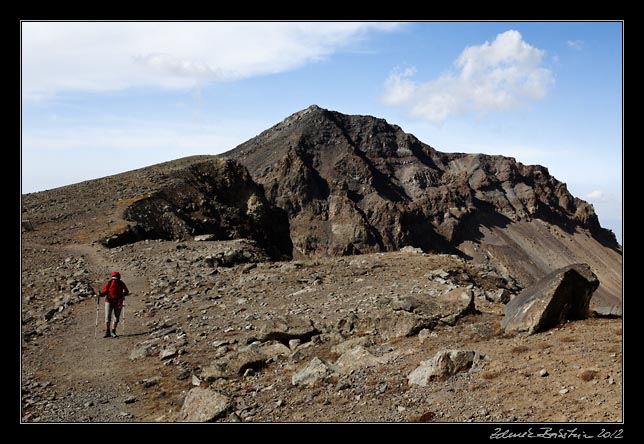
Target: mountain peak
x=357 y=184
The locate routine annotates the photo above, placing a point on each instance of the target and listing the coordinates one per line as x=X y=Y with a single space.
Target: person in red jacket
x=114 y=291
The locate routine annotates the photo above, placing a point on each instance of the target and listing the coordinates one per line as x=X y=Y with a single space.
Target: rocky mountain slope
x=357 y=184
x=200 y=195
x=224 y=325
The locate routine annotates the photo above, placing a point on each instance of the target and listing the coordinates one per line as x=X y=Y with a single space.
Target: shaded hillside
x=356 y=184
x=173 y=200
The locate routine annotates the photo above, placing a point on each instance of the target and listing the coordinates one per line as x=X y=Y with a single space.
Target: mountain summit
x=355 y=184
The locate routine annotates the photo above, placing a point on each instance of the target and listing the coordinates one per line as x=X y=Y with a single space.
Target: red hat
x=116 y=274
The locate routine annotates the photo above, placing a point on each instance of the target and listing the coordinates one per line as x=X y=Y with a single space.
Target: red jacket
x=115 y=290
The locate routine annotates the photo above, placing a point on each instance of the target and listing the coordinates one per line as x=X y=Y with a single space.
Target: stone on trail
x=204 y=405
x=562 y=295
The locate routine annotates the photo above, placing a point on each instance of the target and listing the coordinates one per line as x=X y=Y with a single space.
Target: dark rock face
x=216 y=197
x=563 y=294
x=356 y=184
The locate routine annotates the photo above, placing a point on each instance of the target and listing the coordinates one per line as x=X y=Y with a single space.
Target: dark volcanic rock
x=325 y=183
x=356 y=184
x=563 y=294
x=215 y=197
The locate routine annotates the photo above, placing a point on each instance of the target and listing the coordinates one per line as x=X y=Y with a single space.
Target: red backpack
x=114 y=289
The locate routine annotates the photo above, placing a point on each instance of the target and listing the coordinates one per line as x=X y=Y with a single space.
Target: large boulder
x=562 y=295
x=204 y=405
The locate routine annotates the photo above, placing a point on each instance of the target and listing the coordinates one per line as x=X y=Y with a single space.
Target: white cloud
x=490 y=77
x=575 y=44
x=108 y=56
x=596 y=195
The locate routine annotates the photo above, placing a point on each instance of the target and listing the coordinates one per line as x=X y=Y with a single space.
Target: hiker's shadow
x=132 y=335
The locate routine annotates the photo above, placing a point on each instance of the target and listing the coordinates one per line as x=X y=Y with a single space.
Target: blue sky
x=99 y=98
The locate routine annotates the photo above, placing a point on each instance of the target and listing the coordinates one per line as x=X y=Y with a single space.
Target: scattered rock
x=455 y=304
x=183 y=374
x=425 y=334
x=234 y=364
x=168 y=353
x=410 y=249
x=288 y=327
x=147 y=383
x=500 y=296
x=204 y=405
x=316 y=371
x=356 y=358
x=443 y=365
x=349 y=344
x=399 y=324
x=205 y=237
x=144 y=349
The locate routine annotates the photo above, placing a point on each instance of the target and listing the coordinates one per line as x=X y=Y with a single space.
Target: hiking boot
x=114 y=335
x=107 y=334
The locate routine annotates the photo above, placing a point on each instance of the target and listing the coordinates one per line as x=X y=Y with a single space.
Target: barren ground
x=69 y=376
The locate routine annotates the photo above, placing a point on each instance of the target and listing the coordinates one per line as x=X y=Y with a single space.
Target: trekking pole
x=123 y=316
x=96 y=325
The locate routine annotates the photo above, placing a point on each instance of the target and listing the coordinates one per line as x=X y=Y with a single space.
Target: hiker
x=115 y=291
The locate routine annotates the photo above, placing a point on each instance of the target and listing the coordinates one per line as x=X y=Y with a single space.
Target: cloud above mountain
x=110 y=56
x=495 y=76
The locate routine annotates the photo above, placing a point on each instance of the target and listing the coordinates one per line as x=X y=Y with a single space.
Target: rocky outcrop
x=357 y=184
x=217 y=198
x=562 y=295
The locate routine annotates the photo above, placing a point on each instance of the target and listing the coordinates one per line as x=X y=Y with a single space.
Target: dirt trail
x=79 y=365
